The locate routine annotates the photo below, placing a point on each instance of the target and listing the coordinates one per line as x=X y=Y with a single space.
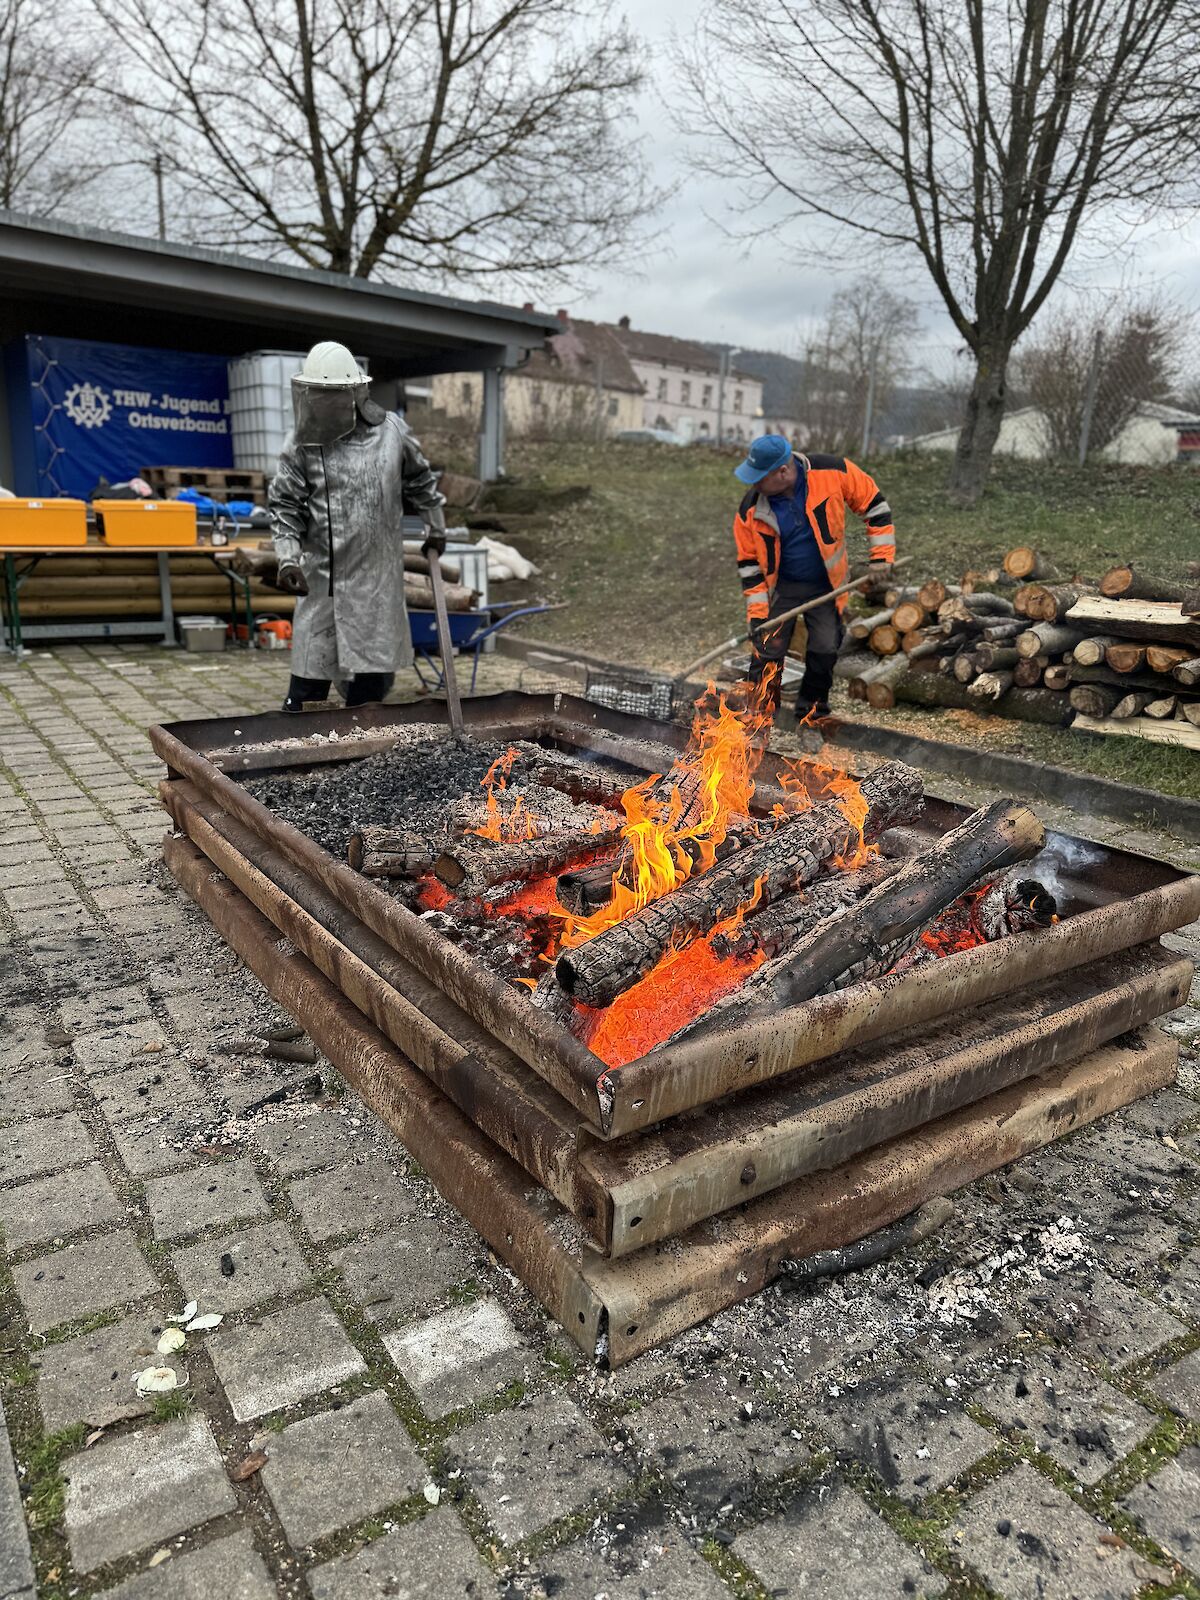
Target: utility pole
x=158 y=184
x=1089 y=403
x=723 y=370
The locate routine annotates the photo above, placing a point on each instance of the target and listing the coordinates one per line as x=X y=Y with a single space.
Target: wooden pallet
x=222 y=483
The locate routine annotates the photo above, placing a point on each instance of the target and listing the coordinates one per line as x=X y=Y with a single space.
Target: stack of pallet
x=1121 y=655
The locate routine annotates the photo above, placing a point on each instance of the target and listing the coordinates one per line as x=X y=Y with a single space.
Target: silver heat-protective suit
x=336 y=511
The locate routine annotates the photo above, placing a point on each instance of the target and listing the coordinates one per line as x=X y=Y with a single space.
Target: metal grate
x=637 y=696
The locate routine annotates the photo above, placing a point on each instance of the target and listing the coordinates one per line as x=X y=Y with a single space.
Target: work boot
x=809 y=711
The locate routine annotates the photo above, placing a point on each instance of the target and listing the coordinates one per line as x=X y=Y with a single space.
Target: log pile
x=1029 y=641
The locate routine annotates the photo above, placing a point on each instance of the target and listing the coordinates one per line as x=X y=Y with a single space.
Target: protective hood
x=324 y=414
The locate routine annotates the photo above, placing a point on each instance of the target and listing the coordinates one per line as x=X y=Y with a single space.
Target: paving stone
x=219 y=1191
x=1168 y=1507
x=715 y=1447
x=282 y=1358
x=1108 y=1321
x=90 y=1379
x=34 y=1091
x=62 y=1203
x=432 y=1559
x=266 y=1261
x=28 y=1149
x=108 y=1010
x=913 y=1436
x=1125 y=1149
x=37 y=896
x=536 y=1463
x=226 y=1569
x=1085 y=1424
x=459 y=1356
x=307 y=1477
x=154 y=1083
x=629 y=1561
x=1181 y=1291
x=350 y=1198
x=404 y=1272
x=16 y=1563
x=103 y=1049
x=83 y=1278
x=161 y=1142
x=1162 y=1112
x=125 y=1494
x=303 y=1144
x=830 y=1545
x=1050 y=1548
x=1179 y=1385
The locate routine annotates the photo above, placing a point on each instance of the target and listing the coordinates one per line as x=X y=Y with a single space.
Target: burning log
x=871 y=936
x=982 y=916
x=777 y=928
x=588 y=785
x=598 y=971
x=391 y=853
x=475 y=864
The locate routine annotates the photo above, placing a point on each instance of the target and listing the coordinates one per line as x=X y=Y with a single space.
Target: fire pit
x=653 y=1034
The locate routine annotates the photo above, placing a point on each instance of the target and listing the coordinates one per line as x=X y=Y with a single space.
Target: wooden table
x=16 y=632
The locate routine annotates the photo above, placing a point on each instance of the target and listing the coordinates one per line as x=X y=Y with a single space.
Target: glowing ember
x=958 y=928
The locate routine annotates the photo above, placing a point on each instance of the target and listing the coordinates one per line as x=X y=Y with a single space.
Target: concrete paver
x=349 y=1198
x=28 y=1149
x=629 y=1562
x=1179 y=1385
x=309 y=1479
x=914 y=1437
x=91 y=1378
x=285 y=1357
x=128 y=1493
x=56 y=1205
x=459 y=1356
x=80 y=1279
x=432 y=1559
x=188 y=1202
x=225 y=1569
x=16 y=1562
x=242 y=1268
x=404 y=1271
x=1168 y=1506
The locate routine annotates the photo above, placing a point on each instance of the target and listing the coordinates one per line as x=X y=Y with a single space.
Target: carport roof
x=57 y=278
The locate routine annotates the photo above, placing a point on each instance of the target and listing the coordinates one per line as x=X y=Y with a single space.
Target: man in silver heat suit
x=336 y=502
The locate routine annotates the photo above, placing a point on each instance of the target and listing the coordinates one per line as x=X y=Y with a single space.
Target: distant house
x=1153 y=436
x=581 y=383
x=683 y=388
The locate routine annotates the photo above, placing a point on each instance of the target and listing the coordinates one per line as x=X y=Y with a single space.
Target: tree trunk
x=1025 y=705
x=981 y=425
x=1124 y=583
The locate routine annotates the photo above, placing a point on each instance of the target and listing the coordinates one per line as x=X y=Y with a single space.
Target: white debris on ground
x=961 y=1296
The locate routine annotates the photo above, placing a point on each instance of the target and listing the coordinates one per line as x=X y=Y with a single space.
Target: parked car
x=648 y=436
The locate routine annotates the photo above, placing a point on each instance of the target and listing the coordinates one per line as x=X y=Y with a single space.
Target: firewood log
x=852 y=665
x=590 y=785
x=1003 y=630
x=909 y=614
x=418 y=595
x=1125 y=583
x=779 y=926
x=1190 y=604
x=472 y=864
x=871 y=935
x=1047 y=638
x=861 y=628
x=1187 y=672
x=894 y=597
x=1125 y=657
x=596 y=972
x=881 y=691
x=1057 y=676
x=990 y=685
x=964 y=668
x=1169 y=732
x=1028 y=671
x=966 y=607
x=921 y=642
x=975 y=579
x=1090 y=652
x=1023 y=563
x=1189 y=711
x=1162 y=708
x=1166 y=657
x=934 y=591
x=391 y=852
x=1052 y=603
x=884 y=640
x=1145 y=620
x=1094 y=699
x=1023 y=705
x=992 y=657
x=1132 y=705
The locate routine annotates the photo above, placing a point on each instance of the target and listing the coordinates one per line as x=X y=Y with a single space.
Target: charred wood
x=780 y=925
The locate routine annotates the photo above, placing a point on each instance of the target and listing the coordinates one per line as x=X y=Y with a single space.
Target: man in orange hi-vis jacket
x=790 y=533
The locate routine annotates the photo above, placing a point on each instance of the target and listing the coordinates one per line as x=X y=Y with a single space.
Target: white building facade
x=684 y=390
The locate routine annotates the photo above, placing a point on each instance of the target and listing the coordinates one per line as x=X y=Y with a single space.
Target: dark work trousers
x=825 y=633
x=359 y=691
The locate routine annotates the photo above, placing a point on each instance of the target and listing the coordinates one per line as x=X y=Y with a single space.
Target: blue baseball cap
x=769 y=450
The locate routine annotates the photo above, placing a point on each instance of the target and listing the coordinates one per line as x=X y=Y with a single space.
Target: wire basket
x=637 y=694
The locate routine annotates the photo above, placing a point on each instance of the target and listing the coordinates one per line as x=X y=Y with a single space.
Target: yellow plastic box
x=134 y=522
x=40 y=522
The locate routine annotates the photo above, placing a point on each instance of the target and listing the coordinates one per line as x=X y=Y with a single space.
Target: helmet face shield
x=323 y=414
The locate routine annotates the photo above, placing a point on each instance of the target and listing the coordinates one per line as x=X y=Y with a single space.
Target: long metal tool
x=769 y=625
x=445 y=646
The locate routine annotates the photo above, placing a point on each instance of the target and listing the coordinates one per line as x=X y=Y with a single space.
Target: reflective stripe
x=877 y=505
x=881 y=538
x=748 y=566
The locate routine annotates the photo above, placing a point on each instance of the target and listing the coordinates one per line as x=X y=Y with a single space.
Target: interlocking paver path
x=992 y=1414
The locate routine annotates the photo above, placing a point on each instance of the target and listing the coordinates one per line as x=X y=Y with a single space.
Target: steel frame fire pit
x=720 y=1144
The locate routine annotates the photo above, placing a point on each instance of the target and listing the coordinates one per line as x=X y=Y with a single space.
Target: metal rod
x=446 y=646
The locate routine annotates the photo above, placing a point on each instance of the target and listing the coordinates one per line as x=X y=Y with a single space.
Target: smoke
x=1065 y=859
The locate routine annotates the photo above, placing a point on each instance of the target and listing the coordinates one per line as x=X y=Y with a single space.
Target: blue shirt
x=800 y=560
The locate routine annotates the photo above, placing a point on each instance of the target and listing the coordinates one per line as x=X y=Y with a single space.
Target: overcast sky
x=702 y=285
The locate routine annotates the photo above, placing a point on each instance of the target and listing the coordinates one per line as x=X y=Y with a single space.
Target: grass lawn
x=647 y=566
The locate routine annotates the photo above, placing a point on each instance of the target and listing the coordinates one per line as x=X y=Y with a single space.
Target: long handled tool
x=771 y=624
x=446 y=647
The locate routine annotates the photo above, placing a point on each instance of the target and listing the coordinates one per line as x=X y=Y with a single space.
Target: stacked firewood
x=1119 y=655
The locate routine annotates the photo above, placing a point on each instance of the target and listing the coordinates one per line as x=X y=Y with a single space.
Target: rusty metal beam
x=656 y=1294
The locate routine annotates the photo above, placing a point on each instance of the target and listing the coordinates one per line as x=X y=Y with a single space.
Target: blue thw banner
x=108 y=410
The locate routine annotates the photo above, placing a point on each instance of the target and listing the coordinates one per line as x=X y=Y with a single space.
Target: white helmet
x=329 y=365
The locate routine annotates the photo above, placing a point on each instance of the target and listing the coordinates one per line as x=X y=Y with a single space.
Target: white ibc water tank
x=260 y=405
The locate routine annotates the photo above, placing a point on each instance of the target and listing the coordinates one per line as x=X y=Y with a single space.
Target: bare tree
x=853 y=364
x=47 y=78
x=986 y=135
x=1122 y=357
x=464 y=138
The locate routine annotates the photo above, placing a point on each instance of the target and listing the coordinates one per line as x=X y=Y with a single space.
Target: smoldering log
x=1005 y=907
x=614 y=960
x=589 y=785
x=391 y=852
x=779 y=926
x=474 y=864
x=868 y=937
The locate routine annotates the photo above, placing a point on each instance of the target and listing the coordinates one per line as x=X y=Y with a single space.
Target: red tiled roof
x=584 y=352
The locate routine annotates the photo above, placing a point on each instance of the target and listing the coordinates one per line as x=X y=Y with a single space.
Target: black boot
x=302 y=689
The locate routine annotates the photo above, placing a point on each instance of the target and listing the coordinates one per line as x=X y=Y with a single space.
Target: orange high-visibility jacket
x=833 y=484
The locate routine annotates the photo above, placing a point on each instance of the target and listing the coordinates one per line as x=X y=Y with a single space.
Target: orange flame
x=518 y=823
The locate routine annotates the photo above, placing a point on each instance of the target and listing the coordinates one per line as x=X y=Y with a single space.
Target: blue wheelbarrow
x=469 y=632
